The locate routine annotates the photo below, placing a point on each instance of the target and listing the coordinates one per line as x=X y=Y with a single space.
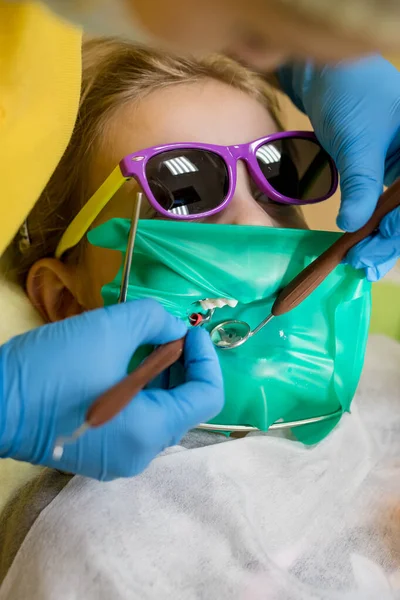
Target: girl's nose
x=244 y=209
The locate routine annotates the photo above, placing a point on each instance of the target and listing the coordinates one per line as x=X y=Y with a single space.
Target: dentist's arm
x=355 y=111
x=50 y=376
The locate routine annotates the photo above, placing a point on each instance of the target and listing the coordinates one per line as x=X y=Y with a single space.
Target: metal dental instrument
x=274 y=427
x=58 y=449
x=109 y=404
x=233 y=333
x=130 y=246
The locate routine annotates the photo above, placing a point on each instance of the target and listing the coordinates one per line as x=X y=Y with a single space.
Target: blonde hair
x=114 y=73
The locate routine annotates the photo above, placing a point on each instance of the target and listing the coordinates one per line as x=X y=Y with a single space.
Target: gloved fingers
x=153 y=421
x=378 y=271
x=124 y=446
x=144 y=322
x=200 y=358
x=376 y=254
x=201 y=397
x=361 y=184
x=156 y=419
x=390 y=225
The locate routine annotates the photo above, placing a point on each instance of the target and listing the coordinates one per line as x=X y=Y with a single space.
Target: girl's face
x=207 y=111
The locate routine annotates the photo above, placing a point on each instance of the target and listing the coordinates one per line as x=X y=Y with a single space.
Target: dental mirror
x=232 y=334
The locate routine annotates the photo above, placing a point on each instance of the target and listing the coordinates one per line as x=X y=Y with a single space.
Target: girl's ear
x=52 y=289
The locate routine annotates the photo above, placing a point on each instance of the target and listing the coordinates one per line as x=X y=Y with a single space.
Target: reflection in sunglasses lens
x=188 y=182
x=297 y=168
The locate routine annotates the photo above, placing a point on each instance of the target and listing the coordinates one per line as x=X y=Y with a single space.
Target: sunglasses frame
x=133 y=166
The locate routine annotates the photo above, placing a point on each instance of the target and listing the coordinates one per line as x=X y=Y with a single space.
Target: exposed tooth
x=210 y=303
x=232 y=302
x=206 y=304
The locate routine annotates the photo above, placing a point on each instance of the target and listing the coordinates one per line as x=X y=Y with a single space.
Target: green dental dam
x=303 y=364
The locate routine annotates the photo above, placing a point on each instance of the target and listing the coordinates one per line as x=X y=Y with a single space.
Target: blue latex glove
x=52 y=375
x=355 y=112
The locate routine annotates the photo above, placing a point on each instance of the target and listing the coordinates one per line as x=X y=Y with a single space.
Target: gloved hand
x=355 y=111
x=50 y=377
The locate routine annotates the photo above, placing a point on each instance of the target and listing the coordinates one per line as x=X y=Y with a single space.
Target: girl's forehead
x=209 y=112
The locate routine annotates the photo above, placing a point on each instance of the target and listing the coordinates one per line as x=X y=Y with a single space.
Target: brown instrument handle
x=109 y=404
x=307 y=280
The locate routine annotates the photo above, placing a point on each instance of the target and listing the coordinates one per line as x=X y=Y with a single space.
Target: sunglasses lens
x=188 y=182
x=297 y=168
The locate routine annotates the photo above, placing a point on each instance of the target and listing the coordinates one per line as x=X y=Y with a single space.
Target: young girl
x=134 y=99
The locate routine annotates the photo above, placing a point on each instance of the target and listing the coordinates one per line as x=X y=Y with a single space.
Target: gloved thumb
x=362 y=172
x=201 y=396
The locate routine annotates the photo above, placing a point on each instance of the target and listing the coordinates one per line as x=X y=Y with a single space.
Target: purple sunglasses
x=191 y=181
